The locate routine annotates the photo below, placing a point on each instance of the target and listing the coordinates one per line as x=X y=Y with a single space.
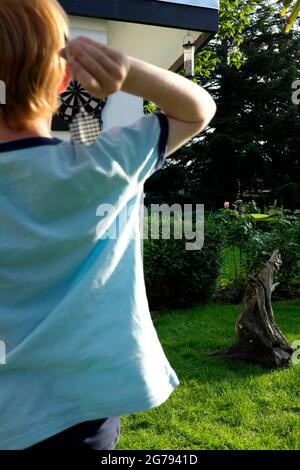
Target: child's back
x=74 y=314
x=74 y=317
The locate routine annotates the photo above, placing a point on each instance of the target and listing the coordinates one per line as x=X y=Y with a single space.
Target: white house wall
x=93 y=28
x=157 y=45
x=121 y=109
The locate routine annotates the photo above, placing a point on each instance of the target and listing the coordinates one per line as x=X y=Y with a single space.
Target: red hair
x=32 y=32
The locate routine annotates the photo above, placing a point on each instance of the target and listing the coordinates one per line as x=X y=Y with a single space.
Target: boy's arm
x=103 y=71
x=188 y=106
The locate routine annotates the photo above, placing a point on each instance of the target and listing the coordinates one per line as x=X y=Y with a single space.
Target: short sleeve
x=140 y=149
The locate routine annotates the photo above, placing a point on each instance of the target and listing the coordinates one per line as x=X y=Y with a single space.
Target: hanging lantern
x=189 y=55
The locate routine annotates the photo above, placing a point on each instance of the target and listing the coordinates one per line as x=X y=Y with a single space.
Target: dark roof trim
x=170 y=15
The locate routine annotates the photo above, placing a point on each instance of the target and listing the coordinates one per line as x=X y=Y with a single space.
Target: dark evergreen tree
x=255 y=136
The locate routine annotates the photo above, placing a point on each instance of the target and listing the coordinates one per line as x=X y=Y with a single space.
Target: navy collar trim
x=28 y=143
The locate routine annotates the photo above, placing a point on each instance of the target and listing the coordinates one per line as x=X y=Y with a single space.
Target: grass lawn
x=219 y=404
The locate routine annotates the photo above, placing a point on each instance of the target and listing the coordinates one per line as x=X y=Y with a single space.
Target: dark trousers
x=102 y=434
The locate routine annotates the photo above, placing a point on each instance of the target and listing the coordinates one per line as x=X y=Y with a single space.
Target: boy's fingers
x=93 y=67
x=87 y=40
x=109 y=51
x=86 y=80
x=111 y=67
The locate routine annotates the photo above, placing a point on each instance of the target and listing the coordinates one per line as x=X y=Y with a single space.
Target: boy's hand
x=100 y=69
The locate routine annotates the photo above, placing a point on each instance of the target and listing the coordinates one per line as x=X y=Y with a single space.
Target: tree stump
x=259 y=339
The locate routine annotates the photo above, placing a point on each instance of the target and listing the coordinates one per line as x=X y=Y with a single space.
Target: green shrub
x=256 y=245
x=176 y=277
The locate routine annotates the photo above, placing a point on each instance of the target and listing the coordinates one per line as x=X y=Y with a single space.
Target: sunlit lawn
x=219 y=404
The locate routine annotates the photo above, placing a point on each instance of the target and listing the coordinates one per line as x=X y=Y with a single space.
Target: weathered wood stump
x=258 y=337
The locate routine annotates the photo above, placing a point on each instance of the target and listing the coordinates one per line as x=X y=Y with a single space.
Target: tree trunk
x=258 y=337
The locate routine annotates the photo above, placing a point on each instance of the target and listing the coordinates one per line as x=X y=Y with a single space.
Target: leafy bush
x=256 y=245
x=284 y=235
x=176 y=277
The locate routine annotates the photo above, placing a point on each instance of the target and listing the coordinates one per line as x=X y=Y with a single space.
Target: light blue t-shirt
x=74 y=317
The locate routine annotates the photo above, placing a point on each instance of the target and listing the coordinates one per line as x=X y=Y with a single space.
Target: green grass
x=219 y=404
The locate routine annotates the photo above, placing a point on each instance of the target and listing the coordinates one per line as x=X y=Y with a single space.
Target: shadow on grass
x=211 y=370
x=188 y=336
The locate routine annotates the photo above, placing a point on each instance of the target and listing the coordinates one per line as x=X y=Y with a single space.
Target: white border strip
x=214 y=4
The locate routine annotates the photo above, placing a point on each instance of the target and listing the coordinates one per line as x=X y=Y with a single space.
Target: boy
x=81 y=349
